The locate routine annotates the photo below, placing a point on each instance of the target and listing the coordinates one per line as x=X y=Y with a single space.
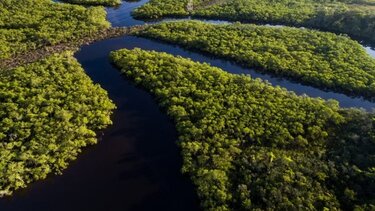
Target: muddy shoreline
x=74 y=45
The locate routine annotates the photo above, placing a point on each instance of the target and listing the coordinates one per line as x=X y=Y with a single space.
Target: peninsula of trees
x=49 y=110
x=248 y=145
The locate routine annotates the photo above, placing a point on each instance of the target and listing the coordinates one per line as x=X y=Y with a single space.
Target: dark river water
x=136 y=164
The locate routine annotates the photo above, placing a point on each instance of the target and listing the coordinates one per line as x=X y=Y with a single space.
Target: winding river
x=136 y=165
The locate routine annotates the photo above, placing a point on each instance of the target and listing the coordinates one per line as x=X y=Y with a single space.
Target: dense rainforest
x=95 y=2
x=353 y=17
x=248 y=145
x=49 y=110
x=29 y=24
x=321 y=59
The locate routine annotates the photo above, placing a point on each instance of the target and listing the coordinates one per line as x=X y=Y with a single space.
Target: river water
x=136 y=164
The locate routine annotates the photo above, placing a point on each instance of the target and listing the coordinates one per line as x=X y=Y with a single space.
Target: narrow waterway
x=136 y=164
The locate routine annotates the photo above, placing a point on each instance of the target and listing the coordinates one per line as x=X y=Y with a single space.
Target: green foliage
x=30 y=24
x=248 y=145
x=49 y=110
x=318 y=58
x=353 y=17
x=354 y=157
x=161 y=8
x=95 y=2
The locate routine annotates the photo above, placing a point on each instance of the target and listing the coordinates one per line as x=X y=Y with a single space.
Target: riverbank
x=74 y=45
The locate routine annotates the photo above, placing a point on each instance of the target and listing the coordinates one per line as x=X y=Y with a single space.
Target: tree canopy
x=29 y=24
x=320 y=59
x=353 y=17
x=248 y=145
x=49 y=111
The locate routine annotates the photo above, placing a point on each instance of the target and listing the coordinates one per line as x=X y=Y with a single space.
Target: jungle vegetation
x=248 y=145
x=95 y=2
x=320 y=59
x=49 y=111
x=352 y=17
x=29 y=24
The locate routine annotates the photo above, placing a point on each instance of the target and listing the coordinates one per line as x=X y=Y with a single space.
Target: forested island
x=353 y=17
x=245 y=143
